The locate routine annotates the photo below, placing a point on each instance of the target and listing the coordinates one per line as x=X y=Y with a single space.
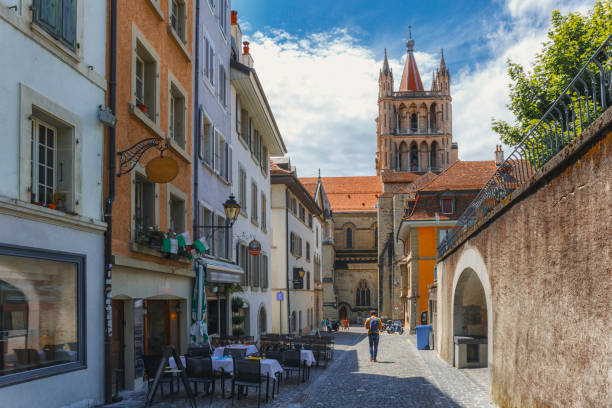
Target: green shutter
x=47 y=14
x=69 y=18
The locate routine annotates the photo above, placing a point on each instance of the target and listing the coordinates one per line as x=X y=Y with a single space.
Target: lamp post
x=232 y=209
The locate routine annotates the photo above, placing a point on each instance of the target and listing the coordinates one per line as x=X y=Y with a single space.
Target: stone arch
x=413 y=119
x=403 y=159
x=394 y=159
x=471 y=260
x=432 y=117
x=424 y=156
x=433 y=156
x=402 y=113
x=349 y=234
x=414 y=157
x=344 y=311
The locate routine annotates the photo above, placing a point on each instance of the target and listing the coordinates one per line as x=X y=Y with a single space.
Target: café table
x=308 y=357
x=250 y=349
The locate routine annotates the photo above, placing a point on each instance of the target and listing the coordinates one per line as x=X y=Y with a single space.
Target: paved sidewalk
x=403 y=377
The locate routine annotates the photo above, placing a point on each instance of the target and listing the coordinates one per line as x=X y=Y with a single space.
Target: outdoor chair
x=278 y=356
x=199 y=351
x=235 y=353
x=151 y=365
x=292 y=361
x=247 y=374
x=200 y=370
x=320 y=352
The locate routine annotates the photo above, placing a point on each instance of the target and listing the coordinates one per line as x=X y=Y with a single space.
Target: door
x=343 y=313
x=118 y=347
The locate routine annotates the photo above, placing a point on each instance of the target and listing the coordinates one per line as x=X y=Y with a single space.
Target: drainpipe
x=108 y=210
x=196 y=138
x=287 y=257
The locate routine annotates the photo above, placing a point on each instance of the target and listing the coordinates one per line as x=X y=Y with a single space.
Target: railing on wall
x=587 y=96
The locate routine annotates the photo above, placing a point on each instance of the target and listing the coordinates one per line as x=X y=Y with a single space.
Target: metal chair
x=200 y=370
x=151 y=365
x=292 y=361
x=247 y=373
x=278 y=356
x=235 y=353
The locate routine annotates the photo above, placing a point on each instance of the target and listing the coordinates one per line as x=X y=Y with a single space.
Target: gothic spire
x=386 y=64
x=411 y=80
x=442 y=67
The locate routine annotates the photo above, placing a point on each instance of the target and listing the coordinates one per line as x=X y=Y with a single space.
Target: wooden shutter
x=238 y=117
x=230 y=172
x=201 y=134
x=244 y=125
x=69 y=21
x=47 y=14
x=214 y=149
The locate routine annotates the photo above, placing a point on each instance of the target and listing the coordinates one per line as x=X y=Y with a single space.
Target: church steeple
x=442 y=76
x=386 y=64
x=411 y=80
x=385 y=79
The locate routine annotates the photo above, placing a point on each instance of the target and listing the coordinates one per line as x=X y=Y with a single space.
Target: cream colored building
x=296 y=252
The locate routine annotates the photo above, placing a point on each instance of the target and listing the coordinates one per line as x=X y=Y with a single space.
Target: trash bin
x=422 y=333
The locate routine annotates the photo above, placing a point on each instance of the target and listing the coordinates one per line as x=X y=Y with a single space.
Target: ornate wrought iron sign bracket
x=129 y=158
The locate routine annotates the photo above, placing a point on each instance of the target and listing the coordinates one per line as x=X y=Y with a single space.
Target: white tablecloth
x=308 y=357
x=268 y=366
x=250 y=349
x=173 y=365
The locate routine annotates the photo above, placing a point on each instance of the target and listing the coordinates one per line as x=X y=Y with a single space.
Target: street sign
x=254 y=247
x=279 y=296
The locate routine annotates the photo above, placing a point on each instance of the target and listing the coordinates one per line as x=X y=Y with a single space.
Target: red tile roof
x=462 y=175
x=349 y=193
x=411 y=80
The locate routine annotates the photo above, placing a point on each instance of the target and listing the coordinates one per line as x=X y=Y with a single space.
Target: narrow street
x=403 y=377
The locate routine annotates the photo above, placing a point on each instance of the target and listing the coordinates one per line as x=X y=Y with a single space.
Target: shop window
x=41 y=314
x=58 y=18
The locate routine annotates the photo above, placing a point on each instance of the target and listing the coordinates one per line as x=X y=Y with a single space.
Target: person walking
x=373 y=326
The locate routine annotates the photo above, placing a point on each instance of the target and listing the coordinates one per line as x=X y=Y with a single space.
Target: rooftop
x=347 y=194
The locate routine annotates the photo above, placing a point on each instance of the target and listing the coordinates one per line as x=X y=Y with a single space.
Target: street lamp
x=301 y=272
x=232 y=209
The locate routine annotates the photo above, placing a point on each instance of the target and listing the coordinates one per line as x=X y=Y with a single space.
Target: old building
x=53 y=67
x=254 y=137
x=296 y=241
x=152 y=274
x=429 y=212
x=415 y=142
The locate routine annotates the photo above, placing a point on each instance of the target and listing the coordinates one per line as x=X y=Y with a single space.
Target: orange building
x=151 y=285
x=431 y=210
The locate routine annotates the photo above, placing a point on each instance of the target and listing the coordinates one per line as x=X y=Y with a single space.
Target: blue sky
x=319 y=62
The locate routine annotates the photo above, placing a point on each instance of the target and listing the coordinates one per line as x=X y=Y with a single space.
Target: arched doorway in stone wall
x=342 y=313
x=470 y=326
x=262 y=321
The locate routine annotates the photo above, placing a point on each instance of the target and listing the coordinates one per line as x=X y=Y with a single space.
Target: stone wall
x=545 y=263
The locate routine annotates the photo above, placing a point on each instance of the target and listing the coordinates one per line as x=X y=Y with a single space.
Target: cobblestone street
x=403 y=377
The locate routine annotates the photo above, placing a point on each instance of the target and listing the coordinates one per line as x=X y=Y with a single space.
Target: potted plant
x=237 y=304
x=237 y=320
x=142 y=107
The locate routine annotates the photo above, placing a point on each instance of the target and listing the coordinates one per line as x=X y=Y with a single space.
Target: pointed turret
x=385 y=79
x=442 y=67
x=411 y=80
x=386 y=64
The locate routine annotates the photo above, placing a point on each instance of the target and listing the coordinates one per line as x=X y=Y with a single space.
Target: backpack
x=374 y=325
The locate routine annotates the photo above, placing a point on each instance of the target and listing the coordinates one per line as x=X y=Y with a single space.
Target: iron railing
x=586 y=97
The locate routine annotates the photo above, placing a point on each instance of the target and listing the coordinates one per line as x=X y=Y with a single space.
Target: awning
x=221 y=272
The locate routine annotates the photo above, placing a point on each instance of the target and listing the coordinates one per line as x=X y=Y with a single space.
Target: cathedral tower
x=414 y=126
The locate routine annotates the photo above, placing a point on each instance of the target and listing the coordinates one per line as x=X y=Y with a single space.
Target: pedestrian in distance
x=373 y=325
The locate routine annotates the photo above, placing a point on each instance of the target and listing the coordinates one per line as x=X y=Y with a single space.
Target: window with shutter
x=230 y=167
x=58 y=18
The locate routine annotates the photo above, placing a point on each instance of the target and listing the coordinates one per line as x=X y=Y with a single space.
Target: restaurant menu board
x=138 y=338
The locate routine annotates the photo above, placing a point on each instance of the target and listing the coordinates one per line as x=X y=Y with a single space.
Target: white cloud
x=323 y=89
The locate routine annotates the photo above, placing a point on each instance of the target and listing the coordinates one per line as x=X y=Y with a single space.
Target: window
x=264 y=221
x=264 y=271
x=58 y=18
x=254 y=206
x=178 y=18
x=207 y=140
x=44 y=159
x=241 y=260
x=442 y=234
x=310 y=220
x=144 y=205
x=317 y=237
x=242 y=192
x=254 y=270
x=222 y=157
x=349 y=237
x=244 y=126
x=177 y=112
x=362 y=294
x=42 y=312
x=265 y=163
x=208 y=55
x=413 y=122
x=307 y=280
x=302 y=213
x=145 y=80
x=294 y=206
x=206 y=218
x=211 y=3
x=295 y=244
x=223 y=15
x=308 y=251
x=177 y=214
x=222 y=86
x=298 y=281
x=238 y=117
x=221 y=239
x=448 y=205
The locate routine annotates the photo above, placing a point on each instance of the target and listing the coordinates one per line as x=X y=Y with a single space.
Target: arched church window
x=413 y=122
x=349 y=237
x=367 y=301
x=358 y=297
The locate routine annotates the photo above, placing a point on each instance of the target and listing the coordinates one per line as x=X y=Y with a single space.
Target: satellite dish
x=161 y=170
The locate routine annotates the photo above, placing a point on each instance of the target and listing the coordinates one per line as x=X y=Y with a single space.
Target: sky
x=319 y=63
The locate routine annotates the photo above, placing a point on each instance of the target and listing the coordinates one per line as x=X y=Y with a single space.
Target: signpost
x=279 y=297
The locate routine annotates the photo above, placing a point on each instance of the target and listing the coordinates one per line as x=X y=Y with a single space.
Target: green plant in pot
x=237 y=304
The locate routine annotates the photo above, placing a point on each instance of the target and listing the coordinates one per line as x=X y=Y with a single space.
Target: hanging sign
x=254 y=247
x=279 y=296
x=162 y=170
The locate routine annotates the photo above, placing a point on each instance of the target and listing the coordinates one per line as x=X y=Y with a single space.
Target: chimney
x=245 y=48
x=234 y=17
x=499 y=155
x=247 y=59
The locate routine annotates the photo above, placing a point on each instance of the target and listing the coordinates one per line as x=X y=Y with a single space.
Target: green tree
x=572 y=40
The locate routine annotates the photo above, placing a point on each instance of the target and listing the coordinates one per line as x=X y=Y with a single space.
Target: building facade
x=152 y=282
x=295 y=222
x=255 y=136
x=51 y=241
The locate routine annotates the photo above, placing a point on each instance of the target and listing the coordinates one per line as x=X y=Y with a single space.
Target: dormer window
x=448 y=205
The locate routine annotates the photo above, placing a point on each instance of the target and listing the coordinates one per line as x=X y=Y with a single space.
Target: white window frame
x=153 y=124
x=206 y=134
x=202 y=206
x=208 y=62
x=36 y=161
x=31 y=103
x=171 y=190
x=140 y=170
x=222 y=85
